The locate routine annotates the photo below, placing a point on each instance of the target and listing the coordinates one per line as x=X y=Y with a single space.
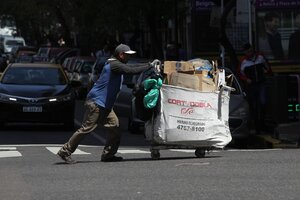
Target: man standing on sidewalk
x=252 y=71
x=99 y=105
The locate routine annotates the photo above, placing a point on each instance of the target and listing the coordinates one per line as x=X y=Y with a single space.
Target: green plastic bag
x=150 y=99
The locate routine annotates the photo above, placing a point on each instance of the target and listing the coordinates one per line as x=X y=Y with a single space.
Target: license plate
x=33 y=109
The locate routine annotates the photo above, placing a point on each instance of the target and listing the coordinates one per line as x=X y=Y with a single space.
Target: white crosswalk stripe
x=132 y=151
x=8 y=148
x=184 y=150
x=6 y=152
x=54 y=150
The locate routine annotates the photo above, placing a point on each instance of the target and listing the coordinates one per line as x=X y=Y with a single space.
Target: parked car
x=3 y=62
x=46 y=54
x=8 y=42
x=62 y=55
x=82 y=73
x=36 y=93
x=238 y=109
x=25 y=56
x=68 y=65
x=239 y=113
x=23 y=53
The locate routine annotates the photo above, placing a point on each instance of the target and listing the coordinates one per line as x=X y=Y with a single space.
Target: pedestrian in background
x=272 y=21
x=263 y=42
x=99 y=105
x=171 y=51
x=294 y=41
x=104 y=52
x=252 y=71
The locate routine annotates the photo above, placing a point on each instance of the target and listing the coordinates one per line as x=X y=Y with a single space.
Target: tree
x=92 y=21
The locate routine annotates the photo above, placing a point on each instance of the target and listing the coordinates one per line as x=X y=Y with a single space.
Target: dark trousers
x=94 y=116
x=256 y=97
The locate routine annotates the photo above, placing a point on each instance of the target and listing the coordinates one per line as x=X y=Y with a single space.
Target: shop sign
x=204 y=5
x=264 y=4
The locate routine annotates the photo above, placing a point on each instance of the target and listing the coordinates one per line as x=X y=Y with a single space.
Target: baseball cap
x=123 y=48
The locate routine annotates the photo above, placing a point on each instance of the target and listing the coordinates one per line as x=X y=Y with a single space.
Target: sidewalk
x=284 y=136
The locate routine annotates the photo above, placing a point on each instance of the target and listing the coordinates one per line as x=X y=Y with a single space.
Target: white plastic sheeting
x=190 y=117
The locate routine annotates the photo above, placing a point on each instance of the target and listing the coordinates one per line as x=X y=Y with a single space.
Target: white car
x=8 y=42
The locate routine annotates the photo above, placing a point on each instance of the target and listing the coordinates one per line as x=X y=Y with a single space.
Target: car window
x=14 y=43
x=43 y=52
x=73 y=65
x=87 y=67
x=77 y=66
x=65 y=63
x=34 y=76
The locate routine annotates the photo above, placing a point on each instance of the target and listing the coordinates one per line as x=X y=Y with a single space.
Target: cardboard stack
x=184 y=74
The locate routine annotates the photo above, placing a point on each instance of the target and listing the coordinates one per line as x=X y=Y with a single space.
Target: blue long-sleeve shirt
x=106 y=89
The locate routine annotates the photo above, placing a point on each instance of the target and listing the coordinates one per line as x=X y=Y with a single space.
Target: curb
x=267 y=141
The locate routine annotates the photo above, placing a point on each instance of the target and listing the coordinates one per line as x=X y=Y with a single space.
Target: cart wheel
x=155 y=155
x=200 y=153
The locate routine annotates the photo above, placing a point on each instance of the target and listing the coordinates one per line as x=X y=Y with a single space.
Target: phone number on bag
x=191 y=128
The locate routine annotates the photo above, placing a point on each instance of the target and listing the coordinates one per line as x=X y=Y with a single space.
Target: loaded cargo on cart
x=185 y=108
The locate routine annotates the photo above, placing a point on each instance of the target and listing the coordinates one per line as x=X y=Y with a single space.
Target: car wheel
x=155 y=155
x=200 y=153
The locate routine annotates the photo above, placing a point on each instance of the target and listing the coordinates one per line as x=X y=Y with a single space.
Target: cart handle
x=222 y=89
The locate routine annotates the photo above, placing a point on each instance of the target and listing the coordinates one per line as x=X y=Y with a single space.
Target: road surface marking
x=42 y=145
x=6 y=152
x=132 y=151
x=54 y=150
x=254 y=150
x=192 y=164
x=8 y=148
x=184 y=150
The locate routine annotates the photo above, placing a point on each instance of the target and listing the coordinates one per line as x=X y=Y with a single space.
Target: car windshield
x=14 y=43
x=34 y=76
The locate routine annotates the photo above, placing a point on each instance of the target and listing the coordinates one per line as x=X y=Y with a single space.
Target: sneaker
x=66 y=158
x=112 y=159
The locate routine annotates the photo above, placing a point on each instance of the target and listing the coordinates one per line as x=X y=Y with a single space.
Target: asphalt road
x=30 y=170
x=35 y=172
